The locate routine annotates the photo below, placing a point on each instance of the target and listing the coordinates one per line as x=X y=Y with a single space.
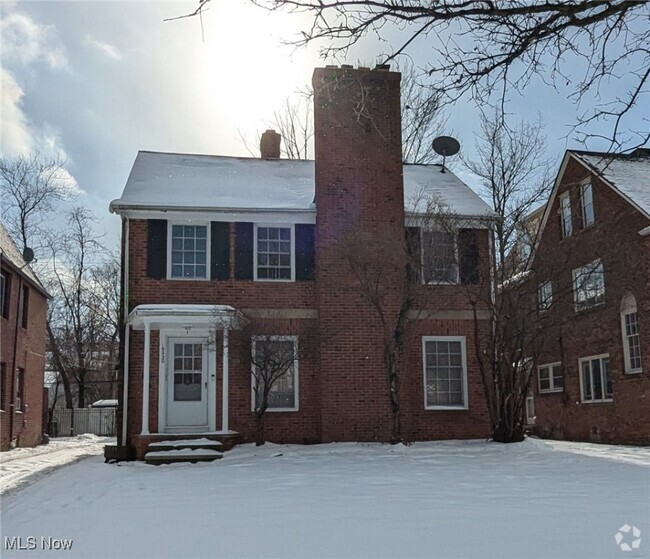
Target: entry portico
x=187 y=387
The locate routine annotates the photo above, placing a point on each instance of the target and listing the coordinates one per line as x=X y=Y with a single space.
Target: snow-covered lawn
x=22 y=466
x=447 y=499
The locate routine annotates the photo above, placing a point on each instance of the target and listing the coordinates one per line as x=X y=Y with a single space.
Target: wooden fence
x=98 y=421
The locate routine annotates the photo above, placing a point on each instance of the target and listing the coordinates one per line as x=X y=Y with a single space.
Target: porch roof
x=185 y=316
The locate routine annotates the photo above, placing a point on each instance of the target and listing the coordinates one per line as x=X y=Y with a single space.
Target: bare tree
x=492 y=47
x=31 y=187
x=83 y=314
x=273 y=358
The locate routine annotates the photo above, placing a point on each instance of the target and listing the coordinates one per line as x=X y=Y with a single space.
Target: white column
x=145 y=378
x=224 y=389
x=125 y=393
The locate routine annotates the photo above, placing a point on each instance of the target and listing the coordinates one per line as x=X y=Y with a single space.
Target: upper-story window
x=5 y=292
x=565 y=215
x=274 y=254
x=587 y=201
x=631 y=336
x=589 y=285
x=545 y=296
x=439 y=256
x=24 y=309
x=189 y=251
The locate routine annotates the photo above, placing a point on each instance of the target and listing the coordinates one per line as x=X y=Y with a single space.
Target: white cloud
x=111 y=51
x=25 y=41
x=15 y=134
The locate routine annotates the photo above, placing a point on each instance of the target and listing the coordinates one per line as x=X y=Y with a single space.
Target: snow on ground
x=22 y=466
x=445 y=499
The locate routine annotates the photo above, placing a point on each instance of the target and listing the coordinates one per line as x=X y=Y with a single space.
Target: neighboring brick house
x=23 y=302
x=591 y=270
x=209 y=239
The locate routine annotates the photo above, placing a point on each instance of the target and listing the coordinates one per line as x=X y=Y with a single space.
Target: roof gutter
x=117 y=208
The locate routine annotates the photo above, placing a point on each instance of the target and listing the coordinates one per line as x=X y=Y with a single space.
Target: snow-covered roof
x=13 y=256
x=207 y=182
x=630 y=174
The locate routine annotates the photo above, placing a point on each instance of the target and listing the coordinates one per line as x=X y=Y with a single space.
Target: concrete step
x=193 y=444
x=158 y=457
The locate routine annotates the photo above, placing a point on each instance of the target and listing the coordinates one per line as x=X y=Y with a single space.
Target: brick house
x=591 y=272
x=211 y=240
x=23 y=302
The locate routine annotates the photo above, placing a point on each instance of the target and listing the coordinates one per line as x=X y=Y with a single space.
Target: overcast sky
x=94 y=82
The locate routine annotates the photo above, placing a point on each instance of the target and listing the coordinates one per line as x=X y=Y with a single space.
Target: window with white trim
x=275 y=364
x=595 y=379
x=631 y=336
x=445 y=372
x=274 y=253
x=587 y=202
x=439 y=256
x=551 y=378
x=545 y=296
x=565 y=215
x=589 y=285
x=189 y=251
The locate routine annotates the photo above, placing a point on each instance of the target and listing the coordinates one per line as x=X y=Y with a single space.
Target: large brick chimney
x=360 y=194
x=270 y=145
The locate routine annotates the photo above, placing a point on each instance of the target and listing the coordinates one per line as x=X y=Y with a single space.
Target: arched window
x=631 y=337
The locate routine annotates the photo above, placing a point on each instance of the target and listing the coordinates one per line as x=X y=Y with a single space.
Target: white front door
x=187 y=384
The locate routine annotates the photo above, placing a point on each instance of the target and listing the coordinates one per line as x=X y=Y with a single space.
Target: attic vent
x=270 y=145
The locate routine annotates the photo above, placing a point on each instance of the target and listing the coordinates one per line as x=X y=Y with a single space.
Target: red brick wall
x=625 y=255
x=30 y=356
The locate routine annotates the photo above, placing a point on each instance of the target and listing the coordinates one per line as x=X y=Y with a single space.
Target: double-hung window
x=551 y=378
x=587 y=201
x=595 y=379
x=631 y=336
x=439 y=256
x=589 y=285
x=275 y=367
x=274 y=253
x=565 y=215
x=5 y=291
x=545 y=296
x=445 y=372
x=189 y=251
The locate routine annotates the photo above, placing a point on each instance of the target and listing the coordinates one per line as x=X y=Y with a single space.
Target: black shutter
x=244 y=251
x=219 y=250
x=414 y=255
x=304 y=252
x=157 y=248
x=469 y=256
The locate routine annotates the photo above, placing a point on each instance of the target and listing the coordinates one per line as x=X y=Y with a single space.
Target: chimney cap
x=270 y=144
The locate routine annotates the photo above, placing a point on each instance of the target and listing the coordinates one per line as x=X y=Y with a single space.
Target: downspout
x=125 y=318
x=13 y=363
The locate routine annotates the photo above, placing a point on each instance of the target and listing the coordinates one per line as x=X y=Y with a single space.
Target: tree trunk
x=259 y=430
x=81 y=394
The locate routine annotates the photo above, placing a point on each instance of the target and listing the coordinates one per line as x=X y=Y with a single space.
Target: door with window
x=187 y=386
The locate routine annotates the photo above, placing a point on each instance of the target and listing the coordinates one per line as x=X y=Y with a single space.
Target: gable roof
x=12 y=255
x=629 y=174
x=164 y=181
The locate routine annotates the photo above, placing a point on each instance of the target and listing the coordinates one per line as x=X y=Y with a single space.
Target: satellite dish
x=445 y=146
x=28 y=255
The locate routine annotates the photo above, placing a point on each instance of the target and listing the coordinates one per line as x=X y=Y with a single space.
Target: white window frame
x=296 y=375
x=544 y=304
x=290 y=226
x=602 y=370
x=208 y=249
x=578 y=273
x=583 y=187
x=456 y=279
x=463 y=348
x=567 y=226
x=553 y=388
x=632 y=309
